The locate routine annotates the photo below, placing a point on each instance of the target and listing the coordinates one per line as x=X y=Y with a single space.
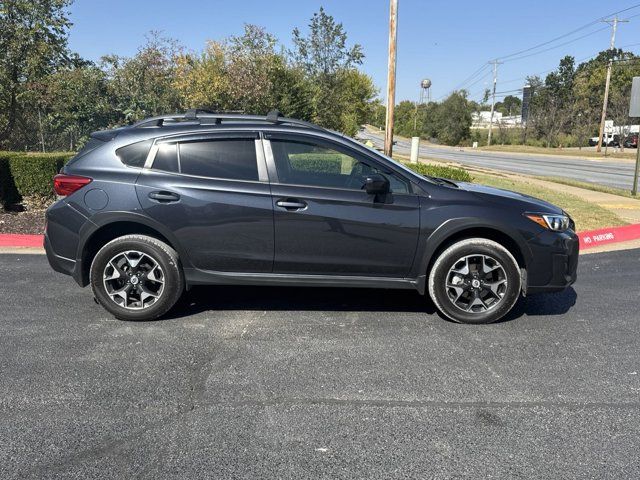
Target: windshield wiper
x=444 y=181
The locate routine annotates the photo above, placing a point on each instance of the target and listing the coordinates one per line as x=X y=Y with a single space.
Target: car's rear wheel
x=475 y=280
x=136 y=277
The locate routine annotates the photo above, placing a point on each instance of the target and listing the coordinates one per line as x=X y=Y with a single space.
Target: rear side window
x=134 y=155
x=233 y=159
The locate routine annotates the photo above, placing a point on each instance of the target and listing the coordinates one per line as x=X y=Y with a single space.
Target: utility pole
x=614 y=26
x=391 y=77
x=493 y=97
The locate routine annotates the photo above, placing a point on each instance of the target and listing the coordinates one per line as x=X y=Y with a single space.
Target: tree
x=71 y=103
x=201 y=80
x=509 y=106
x=33 y=41
x=142 y=86
x=340 y=94
x=454 y=119
x=324 y=51
x=252 y=62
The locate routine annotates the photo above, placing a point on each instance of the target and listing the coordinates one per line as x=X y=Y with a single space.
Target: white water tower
x=425 y=90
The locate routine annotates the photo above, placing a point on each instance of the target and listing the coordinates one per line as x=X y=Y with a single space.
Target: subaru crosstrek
x=149 y=210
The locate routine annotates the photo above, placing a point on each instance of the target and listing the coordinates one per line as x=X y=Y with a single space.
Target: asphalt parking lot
x=319 y=383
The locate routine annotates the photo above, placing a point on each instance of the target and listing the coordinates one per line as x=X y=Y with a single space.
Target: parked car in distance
x=609 y=139
x=631 y=141
x=202 y=198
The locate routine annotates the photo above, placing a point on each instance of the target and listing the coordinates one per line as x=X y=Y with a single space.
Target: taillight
x=67 y=184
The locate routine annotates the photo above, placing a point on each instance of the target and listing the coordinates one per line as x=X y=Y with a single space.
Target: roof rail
x=197 y=115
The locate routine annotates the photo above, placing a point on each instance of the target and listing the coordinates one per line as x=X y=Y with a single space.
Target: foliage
x=564 y=111
x=440 y=171
x=28 y=176
x=566 y=107
x=447 y=122
x=33 y=41
x=318 y=162
x=510 y=105
x=324 y=51
x=142 y=86
x=340 y=95
x=59 y=98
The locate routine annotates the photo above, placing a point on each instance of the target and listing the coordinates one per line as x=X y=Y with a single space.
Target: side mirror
x=376 y=184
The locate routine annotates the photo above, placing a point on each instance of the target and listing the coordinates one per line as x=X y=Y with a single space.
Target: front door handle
x=291 y=204
x=164 y=197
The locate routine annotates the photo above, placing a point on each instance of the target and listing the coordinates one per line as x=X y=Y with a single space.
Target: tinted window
x=135 y=154
x=232 y=159
x=166 y=158
x=305 y=163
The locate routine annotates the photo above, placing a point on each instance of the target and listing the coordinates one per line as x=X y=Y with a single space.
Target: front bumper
x=555 y=262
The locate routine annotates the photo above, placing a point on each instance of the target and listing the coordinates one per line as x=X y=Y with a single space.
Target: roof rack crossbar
x=197 y=115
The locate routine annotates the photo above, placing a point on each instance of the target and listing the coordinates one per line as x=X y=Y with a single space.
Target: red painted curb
x=17 y=240
x=589 y=239
x=603 y=236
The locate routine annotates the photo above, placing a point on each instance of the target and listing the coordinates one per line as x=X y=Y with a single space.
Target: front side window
x=307 y=163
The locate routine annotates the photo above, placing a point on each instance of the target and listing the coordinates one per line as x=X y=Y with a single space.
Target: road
x=604 y=172
x=319 y=383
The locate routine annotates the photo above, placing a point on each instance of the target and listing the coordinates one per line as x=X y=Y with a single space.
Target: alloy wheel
x=476 y=283
x=133 y=280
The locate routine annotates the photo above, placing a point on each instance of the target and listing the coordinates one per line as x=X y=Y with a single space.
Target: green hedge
x=28 y=176
x=318 y=162
x=441 y=171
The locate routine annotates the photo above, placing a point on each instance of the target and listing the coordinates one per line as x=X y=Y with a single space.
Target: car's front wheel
x=475 y=280
x=136 y=277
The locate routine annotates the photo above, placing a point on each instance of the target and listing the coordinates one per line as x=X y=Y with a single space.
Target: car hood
x=507 y=197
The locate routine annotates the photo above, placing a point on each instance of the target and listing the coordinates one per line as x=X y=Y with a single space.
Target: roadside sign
x=634 y=104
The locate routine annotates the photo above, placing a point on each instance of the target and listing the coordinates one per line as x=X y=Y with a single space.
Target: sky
x=445 y=41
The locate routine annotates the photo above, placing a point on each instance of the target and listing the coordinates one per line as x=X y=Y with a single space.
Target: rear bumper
x=62 y=237
x=555 y=263
x=58 y=263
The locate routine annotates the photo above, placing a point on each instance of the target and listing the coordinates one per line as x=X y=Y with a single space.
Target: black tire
x=165 y=257
x=469 y=247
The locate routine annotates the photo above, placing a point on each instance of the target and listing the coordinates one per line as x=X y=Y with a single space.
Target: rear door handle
x=164 y=197
x=291 y=204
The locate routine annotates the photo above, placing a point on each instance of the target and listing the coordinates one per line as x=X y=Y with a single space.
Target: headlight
x=557 y=223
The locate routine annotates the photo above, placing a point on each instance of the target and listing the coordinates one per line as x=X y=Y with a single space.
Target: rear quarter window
x=134 y=155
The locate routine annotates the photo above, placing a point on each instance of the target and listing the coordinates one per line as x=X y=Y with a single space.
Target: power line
x=470 y=77
x=577 y=61
x=558 y=46
x=594 y=22
x=479 y=80
x=518 y=55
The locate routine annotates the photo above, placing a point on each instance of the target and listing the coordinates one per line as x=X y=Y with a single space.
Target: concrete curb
x=604 y=236
x=13 y=240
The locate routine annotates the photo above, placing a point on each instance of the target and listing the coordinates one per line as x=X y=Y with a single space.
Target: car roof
x=197 y=121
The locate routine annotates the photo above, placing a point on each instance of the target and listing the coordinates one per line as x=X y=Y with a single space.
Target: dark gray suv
x=149 y=210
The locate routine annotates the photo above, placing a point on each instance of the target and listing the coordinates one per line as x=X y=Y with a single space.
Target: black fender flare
x=455 y=226
x=101 y=220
